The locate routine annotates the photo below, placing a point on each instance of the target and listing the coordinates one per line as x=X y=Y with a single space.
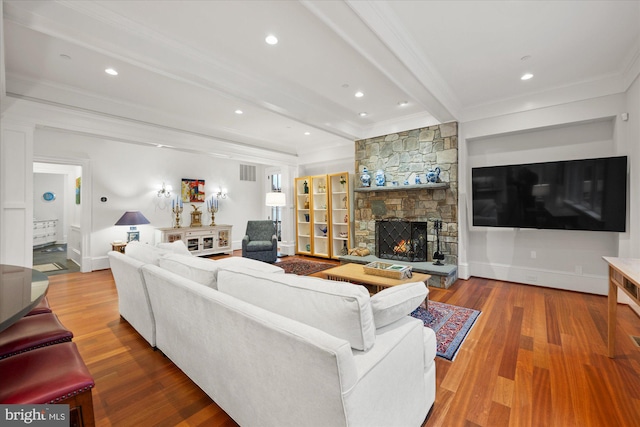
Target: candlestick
x=177 y=210
x=213 y=210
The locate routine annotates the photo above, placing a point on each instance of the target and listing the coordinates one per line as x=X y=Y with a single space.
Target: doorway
x=275 y=213
x=61 y=231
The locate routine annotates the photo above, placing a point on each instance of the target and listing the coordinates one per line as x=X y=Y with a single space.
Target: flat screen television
x=589 y=194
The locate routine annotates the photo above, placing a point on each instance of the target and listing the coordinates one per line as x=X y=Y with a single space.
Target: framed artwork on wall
x=192 y=190
x=78 y=183
x=133 y=236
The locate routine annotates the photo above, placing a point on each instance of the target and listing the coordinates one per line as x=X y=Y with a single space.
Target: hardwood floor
x=536 y=357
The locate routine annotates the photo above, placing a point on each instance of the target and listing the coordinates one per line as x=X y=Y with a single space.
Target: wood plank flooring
x=536 y=357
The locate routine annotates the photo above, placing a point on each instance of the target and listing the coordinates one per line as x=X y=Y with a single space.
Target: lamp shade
x=276 y=199
x=132 y=218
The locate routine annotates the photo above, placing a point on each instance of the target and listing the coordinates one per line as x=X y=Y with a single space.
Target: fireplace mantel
x=428 y=186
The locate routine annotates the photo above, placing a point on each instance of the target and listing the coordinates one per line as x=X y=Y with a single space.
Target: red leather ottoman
x=32 y=332
x=53 y=374
x=41 y=308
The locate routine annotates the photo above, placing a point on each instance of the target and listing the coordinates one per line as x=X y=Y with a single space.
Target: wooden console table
x=624 y=273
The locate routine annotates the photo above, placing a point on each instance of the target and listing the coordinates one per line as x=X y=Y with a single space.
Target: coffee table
x=354 y=273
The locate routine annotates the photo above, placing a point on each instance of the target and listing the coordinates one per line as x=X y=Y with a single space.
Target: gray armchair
x=260 y=241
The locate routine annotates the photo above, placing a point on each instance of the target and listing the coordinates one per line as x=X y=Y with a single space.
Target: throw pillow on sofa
x=200 y=270
x=177 y=247
x=395 y=302
x=338 y=308
x=144 y=252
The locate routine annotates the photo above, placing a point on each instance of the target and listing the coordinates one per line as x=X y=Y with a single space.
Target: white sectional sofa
x=275 y=349
x=133 y=299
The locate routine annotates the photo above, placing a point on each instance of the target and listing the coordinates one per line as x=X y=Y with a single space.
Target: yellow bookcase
x=322 y=215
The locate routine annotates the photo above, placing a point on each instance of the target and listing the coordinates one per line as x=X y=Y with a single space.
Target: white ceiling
x=188 y=65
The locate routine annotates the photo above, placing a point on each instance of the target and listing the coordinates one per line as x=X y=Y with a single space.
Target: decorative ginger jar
x=380 y=178
x=365 y=178
x=433 y=175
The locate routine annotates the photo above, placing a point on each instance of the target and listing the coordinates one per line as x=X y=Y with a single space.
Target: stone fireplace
x=402 y=156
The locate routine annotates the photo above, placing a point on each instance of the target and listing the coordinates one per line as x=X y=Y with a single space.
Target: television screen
x=588 y=194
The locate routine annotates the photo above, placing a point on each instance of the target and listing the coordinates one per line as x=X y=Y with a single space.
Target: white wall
x=342 y=165
x=563 y=259
x=630 y=247
x=129 y=176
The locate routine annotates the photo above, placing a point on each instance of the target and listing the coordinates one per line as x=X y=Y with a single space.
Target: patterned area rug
x=44 y=268
x=302 y=267
x=450 y=323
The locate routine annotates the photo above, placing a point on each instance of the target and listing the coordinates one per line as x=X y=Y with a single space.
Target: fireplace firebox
x=401 y=240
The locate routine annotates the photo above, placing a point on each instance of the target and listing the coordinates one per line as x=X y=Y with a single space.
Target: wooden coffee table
x=354 y=273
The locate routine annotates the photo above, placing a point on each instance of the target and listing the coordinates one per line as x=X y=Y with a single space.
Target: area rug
x=450 y=323
x=302 y=267
x=44 y=268
x=61 y=248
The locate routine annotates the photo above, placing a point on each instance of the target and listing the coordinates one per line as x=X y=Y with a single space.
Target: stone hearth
x=402 y=156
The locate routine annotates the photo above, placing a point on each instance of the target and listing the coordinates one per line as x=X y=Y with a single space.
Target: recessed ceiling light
x=111 y=72
x=403 y=103
x=271 y=39
x=359 y=94
x=65 y=56
x=239 y=112
x=525 y=58
x=307 y=133
x=526 y=76
x=363 y=114
x=345 y=85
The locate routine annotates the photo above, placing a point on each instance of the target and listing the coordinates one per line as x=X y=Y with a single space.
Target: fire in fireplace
x=401 y=240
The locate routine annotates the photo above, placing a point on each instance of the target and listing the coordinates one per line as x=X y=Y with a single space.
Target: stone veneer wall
x=401 y=156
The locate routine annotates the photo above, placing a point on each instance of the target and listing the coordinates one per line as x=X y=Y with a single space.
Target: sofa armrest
x=133 y=298
x=396 y=302
x=245 y=242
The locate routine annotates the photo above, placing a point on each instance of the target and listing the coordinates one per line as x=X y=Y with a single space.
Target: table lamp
x=132 y=218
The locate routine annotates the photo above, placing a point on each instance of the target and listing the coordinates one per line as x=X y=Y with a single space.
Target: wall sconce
x=165 y=191
x=221 y=194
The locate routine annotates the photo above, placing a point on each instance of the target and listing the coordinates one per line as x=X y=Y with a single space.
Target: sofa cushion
x=259 y=245
x=177 y=247
x=200 y=270
x=240 y=263
x=395 y=302
x=338 y=308
x=205 y=271
x=145 y=253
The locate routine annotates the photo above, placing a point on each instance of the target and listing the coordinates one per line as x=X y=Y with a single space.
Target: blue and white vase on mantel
x=365 y=178
x=433 y=175
x=380 y=178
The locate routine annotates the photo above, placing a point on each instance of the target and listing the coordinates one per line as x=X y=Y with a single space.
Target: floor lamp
x=277 y=200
